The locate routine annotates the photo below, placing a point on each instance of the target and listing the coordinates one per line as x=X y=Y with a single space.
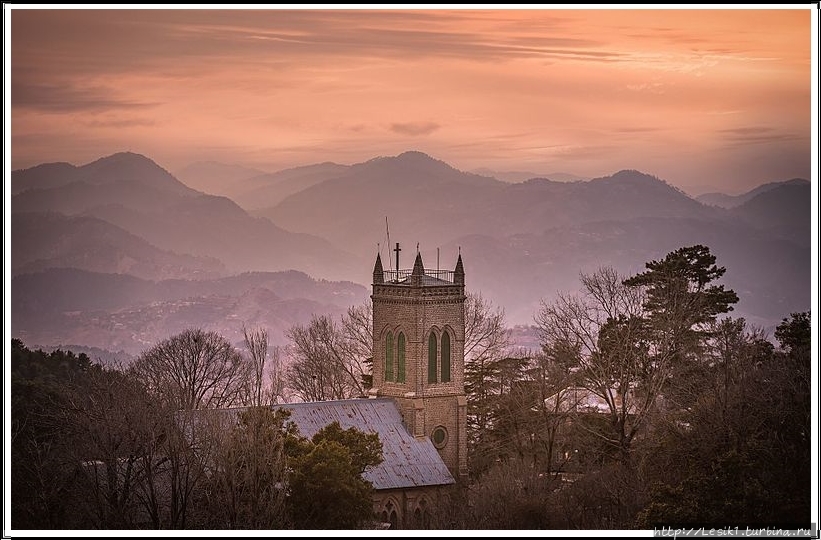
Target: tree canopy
x=194 y=369
x=326 y=488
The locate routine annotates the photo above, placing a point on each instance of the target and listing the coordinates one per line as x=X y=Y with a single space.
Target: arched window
x=400 y=358
x=432 y=358
x=445 y=357
x=422 y=515
x=389 y=515
x=389 y=357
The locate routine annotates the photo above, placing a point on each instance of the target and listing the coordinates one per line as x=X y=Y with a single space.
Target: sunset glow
x=698 y=97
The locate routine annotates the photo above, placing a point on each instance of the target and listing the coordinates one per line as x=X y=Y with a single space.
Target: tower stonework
x=419 y=353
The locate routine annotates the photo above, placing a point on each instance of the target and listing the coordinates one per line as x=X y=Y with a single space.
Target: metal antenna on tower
x=388 y=232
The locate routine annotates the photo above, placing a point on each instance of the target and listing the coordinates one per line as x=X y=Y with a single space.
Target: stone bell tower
x=419 y=352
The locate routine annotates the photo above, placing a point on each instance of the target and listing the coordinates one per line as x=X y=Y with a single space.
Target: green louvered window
x=445 y=357
x=432 y=358
x=389 y=357
x=400 y=358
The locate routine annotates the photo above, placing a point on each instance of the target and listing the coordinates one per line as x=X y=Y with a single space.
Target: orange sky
x=698 y=97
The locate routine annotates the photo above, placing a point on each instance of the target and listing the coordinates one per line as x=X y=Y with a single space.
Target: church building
x=417 y=402
x=419 y=353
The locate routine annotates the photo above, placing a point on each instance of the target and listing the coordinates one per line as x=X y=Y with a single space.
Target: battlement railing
x=397 y=276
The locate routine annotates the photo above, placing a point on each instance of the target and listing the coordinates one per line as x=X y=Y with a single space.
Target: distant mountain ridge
x=771 y=275
x=122 y=167
x=437 y=203
x=215 y=178
x=147 y=254
x=271 y=188
x=784 y=208
x=731 y=201
x=133 y=193
x=45 y=240
x=521 y=176
x=121 y=312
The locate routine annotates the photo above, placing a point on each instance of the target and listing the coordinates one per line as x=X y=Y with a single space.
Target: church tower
x=419 y=352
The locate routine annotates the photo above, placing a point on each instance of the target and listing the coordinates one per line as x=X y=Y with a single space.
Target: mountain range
x=117 y=253
x=436 y=203
x=133 y=193
x=731 y=201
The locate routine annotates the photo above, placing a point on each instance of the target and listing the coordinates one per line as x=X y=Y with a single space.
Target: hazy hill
x=730 y=201
x=133 y=193
x=413 y=190
x=521 y=176
x=785 y=208
x=428 y=201
x=45 y=176
x=539 y=204
x=216 y=178
x=253 y=189
x=771 y=276
x=42 y=240
x=120 y=312
x=121 y=168
x=268 y=190
x=520 y=243
x=125 y=178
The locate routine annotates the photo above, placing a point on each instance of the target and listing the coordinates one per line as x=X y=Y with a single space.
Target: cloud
x=392 y=34
x=654 y=87
x=746 y=131
x=643 y=129
x=120 y=123
x=315 y=82
x=69 y=41
x=66 y=99
x=414 y=129
x=757 y=135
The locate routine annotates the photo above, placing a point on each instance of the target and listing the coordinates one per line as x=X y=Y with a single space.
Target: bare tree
x=256 y=341
x=189 y=371
x=265 y=363
x=330 y=360
x=553 y=384
x=275 y=391
x=486 y=333
x=357 y=329
x=604 y=338
x=487 y=341
x=117 y=435
x=194 y=370
x=323 y=368
x=247 y=487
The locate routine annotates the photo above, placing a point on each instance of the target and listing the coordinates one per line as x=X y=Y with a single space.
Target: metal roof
x=407 y=461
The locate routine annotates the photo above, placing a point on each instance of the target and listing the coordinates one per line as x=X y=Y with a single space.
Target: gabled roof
x=408 y=461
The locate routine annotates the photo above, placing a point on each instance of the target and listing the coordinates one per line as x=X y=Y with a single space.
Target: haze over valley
x=119 y=253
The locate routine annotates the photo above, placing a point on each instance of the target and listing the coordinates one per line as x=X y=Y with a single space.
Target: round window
x=439 y=437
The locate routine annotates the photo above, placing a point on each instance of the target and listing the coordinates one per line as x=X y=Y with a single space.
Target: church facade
x=418 y=348
x=417 y=401
x=418 y=362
